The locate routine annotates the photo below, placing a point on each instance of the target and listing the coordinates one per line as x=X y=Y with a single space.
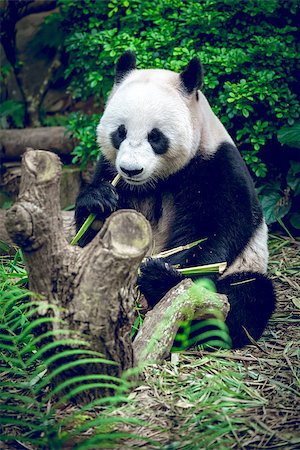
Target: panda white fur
x=181 y=169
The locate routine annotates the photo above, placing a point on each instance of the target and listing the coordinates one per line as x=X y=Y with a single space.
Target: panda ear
x=125 y=64
x=192 y=77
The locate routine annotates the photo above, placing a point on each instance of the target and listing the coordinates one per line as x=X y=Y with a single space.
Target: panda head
x=148 y=127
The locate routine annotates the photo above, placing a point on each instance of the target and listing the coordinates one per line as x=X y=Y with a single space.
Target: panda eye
x=122 y=132
x=118 y=136
x=158 y=141
x=154 y=136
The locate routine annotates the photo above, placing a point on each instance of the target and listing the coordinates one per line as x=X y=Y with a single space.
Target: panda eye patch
x=118 y=136
x=122 y=132
x=158 y=141
x=154 y=135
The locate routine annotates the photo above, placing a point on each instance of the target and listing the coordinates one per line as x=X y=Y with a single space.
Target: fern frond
x=45 y=336
x=49 y=362
x=83 y=385
x=55 y=345
x=84 y=361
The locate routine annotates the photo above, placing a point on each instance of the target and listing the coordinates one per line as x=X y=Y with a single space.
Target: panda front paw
x=156 y=279
x=101 y=201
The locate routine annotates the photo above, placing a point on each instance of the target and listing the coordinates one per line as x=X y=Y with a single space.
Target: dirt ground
x=276 y=359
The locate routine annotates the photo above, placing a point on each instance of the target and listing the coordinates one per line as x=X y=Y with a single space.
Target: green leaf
x=295 y=220
x=274 y=206
x=290 y=135
x=296 y=302
x=13 y=109
x=293 y=177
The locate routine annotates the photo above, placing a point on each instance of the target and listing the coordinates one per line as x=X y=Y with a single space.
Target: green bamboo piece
x=171 y=252
x=87 y=223
x=208 y=268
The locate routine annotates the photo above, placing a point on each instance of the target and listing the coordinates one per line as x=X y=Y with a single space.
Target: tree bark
x=154 y=340
x=92 y=286
x=70 y=183
x=34 y=101
x=68 y=226
x=13 y=143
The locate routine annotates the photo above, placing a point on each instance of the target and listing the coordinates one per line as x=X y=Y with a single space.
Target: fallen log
x=13 y=143
x=155 y=338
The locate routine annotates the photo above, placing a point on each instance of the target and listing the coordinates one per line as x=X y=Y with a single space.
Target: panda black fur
x=181 y=169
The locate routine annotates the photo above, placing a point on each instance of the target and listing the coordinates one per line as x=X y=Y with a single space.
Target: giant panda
x=183 y=172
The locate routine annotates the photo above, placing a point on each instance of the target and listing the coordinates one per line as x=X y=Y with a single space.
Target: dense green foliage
x=83 y=128
x=248 y=49
x=248 y=52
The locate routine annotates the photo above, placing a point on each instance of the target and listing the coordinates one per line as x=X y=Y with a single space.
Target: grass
x=195 y=403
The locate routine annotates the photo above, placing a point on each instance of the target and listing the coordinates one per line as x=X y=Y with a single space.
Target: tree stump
x=92 y=286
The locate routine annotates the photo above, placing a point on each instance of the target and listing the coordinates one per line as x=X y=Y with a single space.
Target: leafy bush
x=283 y=191
x=83 y=129
x=248 y=49
x=12 y=112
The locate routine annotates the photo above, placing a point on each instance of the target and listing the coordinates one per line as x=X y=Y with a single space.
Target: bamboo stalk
x=167 y=253
x=242 y=282
x=90 y=219
x=208 y=268
x=116 y=180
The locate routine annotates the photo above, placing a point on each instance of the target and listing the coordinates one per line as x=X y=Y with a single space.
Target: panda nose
x=131 y=173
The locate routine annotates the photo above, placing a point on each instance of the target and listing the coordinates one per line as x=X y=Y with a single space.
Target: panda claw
x=156 y=278
x=101 y=201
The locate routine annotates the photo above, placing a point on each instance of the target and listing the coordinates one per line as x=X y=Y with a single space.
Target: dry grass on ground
x=246 y=399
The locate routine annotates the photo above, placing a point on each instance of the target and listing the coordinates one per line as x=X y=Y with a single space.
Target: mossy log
x=155 y=338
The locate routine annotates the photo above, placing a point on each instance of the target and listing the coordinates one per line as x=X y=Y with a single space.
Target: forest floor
x=245 y=399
